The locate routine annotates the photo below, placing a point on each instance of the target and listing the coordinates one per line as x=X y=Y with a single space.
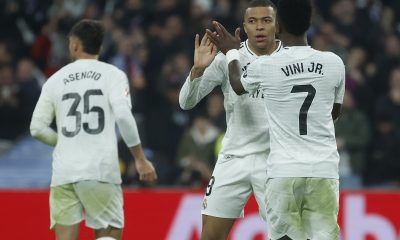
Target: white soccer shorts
x=99 y=203
x=233 y=181
x=302 y=208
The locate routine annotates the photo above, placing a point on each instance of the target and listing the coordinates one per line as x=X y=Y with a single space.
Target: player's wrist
x=232 y=55
x=196 y=72
x=140 y=160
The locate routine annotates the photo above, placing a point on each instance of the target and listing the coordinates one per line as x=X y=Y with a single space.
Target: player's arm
x=339 y=93
x=336 y=111
x=42 y=117
x=121 y=106
x=235 y=74
x=204 y=76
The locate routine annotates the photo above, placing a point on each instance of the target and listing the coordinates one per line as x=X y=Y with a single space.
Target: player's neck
x=83 y=55
x=290 y=40
x=267 y=51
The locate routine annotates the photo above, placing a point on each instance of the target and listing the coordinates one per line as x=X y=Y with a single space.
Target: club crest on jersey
x=127 y=91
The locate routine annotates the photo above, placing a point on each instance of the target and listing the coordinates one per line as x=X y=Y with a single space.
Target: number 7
x=305 y=106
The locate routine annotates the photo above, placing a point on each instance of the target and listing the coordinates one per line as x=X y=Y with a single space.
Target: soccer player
x=241 y=166
x=87 y=97
x=303 y=91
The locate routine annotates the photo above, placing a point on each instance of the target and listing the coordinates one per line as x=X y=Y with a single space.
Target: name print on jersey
x=82 y=75
x=297 y=68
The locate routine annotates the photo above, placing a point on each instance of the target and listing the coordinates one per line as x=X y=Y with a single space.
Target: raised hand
x=223 y=39
x=204 y=52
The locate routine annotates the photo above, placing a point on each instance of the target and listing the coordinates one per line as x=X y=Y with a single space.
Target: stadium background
x=152 y=41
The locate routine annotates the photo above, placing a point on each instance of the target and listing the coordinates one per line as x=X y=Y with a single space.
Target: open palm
x=204 y=52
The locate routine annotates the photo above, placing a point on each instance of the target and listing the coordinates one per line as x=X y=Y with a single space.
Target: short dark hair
x=295 y=15
x=261 y=3
x=90 y=33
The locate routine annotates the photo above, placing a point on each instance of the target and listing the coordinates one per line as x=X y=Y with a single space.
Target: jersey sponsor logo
x=299 y=67
x=82 y=75
x=257 y=94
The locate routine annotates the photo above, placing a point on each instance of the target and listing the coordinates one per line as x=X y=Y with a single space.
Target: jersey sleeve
x=42 y=117
x=340 y=88
x=121 y=105
x=250 y=78
x=194 y=90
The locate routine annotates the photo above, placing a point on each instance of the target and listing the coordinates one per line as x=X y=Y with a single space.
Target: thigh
x=283 y=207
x=258 y=181
x=229 y=188
x=321 y=207
x=103 y=204
x=65 y=206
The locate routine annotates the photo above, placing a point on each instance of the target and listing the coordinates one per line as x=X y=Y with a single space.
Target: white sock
x=106 y=238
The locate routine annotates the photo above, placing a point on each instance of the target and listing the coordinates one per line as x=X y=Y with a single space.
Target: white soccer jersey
x=84 y=96
x=300 y=86
x=247 y=128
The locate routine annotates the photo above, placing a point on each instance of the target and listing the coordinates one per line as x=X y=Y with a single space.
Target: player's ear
x=73 y=45
x=78 y=46
x=244 y=27
x=277 y=28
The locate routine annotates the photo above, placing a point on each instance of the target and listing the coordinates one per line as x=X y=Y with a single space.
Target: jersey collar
x=278 y=48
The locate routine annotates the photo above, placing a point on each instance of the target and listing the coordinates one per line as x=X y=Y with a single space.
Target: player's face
x=260 y=26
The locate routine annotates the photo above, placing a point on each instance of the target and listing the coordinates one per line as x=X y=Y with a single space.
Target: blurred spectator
x=386 y=62
x=223 y=13
x=354 y=24
x=5 y=56
x=331 y=40
x=389 y=104
x=196 y=152
x=352 y=137
x=130 y=14
x=384 y=164
x=68 y=9
x=387 y=21
x=11 y=119
x=28 y=90
x=128 y=61
x=165 y=123
x=356 y=78
x=166 y=40
x=174 y=71
x=216 y=110
x=200 y=17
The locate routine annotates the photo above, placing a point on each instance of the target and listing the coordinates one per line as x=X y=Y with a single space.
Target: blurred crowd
x=152 y=42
